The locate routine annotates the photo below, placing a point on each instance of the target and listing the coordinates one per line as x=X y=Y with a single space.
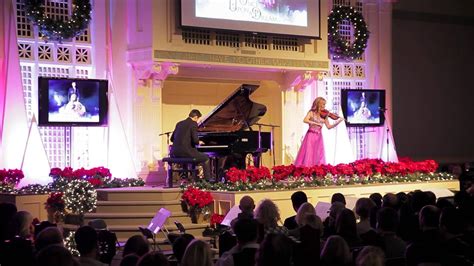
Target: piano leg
x=257 y=157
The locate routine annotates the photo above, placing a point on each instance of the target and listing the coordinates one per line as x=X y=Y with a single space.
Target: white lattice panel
x=80 y=152
x=30 y=98
x=24 y=26
x=25 y=51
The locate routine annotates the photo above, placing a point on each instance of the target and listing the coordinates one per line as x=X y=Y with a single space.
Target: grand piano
x=227 y=130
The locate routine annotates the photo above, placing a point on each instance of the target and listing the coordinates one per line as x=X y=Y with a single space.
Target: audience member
x=346 y=227
x=154 y=258
x=335 y=252
x=393 y=246
x=48 y=236
x=338 y=197
x=306 y=215
x=180 y=245
x=244 y=252
x=268 y=215
x=363 y=208
x=7 y=211
x=390 y=200
x=21 y=225
x=453 y=244
x=54 y=255
x=129 y=260
x=136 y=244
x=275 y=250
x=330 y=222
x=246 y=206
x=370 y=256
x=86 y=243
x=297 y=199
x=198 y=252
x=377 y=199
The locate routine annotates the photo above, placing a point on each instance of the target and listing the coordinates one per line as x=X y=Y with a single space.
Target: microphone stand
x=382 y=112
x=272 y=139
x=167 y=139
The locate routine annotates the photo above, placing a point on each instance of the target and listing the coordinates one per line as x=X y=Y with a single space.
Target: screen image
x=363 y=107
x=286 y=17
x=72 y=101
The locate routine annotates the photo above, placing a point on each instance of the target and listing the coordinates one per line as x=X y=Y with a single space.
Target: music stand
x=156 y=225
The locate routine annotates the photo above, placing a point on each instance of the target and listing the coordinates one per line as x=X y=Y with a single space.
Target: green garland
x=338 y=46
x=80 y=196
x=57 y=30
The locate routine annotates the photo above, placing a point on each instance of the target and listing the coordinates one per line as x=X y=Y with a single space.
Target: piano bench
x=183 y=164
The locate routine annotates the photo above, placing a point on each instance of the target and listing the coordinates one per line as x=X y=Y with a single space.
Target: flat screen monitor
x=72 y=102
x=363 y=107
x=282 y=17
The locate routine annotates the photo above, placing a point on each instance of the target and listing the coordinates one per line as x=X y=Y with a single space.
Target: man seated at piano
x=185 y=138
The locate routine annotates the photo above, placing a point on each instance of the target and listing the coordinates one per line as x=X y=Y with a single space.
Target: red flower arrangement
x=196 y=198
x=252 y=174
x=55 y=201
x=216 y=219
x=11 y=176
x=96 y=176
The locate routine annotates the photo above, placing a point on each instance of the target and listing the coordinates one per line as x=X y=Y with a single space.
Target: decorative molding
x=242 y=60
x=153 y=71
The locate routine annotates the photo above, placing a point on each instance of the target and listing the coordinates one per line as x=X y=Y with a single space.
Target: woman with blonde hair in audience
x=336 y=252
x=198 y=253
x=306 y=215
x=22 y=225
x=268 y=216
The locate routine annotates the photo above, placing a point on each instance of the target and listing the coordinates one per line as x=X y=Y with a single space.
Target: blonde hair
x=315 y=106
x=267 y=213
x=198 y=252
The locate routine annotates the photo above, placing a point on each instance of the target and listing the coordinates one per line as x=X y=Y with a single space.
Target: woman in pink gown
x=312 y=148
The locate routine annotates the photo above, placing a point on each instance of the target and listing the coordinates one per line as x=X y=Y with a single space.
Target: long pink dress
x=312 y=148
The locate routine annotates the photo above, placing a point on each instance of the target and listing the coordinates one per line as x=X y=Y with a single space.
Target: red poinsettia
x=216 y=219
x=197 y=198
x=55 y=201
x=11 y=176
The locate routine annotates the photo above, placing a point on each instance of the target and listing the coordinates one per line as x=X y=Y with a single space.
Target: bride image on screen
x=73 y=107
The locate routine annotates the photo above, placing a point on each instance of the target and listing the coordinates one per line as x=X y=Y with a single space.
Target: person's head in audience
x=451 y=222
x=338 y=197
x=247 y=205
x=306 y=215
x=7 y=211
x=41 y=226
x=402 y=198
x=180 y=245
x=429 y=217
x=198 y=252
x=275 y=250
x=136 y=244
x=129 y=260
x=21 y=225
x=430 y=198
x=86 y=241
x=154 y=258
x=363 y=208
x=390 y=200
x=297 y=199
x=335 y=252
x=370 y=256
x=346 y=225
x=442 y=203
x=267 y=213
x=377 y=199
x=418 y=200
x=387 y=220
x=246 y=231
x=54 y=255
x=48 y=236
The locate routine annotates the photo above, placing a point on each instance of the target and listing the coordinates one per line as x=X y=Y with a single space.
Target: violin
x=325 y=113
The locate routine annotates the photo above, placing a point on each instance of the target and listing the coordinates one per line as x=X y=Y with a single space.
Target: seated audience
x=180 y=245
x=297 y=199
x=346 y=228
x=54 y=255
x=48 y=236
x=329 y=223
x=154 y=258
x=86 y=243
x=390 y=200
x=377 y=199
x=392 y=245
x=268 y=215
x=244 y=252
x=306 y=215
x=198 y=252
x=129 y=260
x=21 y=225
x=246 y=206
x=363 y=208
x=338 y=197
x=7 y=211
x=370 y=256
x=336 y=252
x=275 y=250
x=454 y=246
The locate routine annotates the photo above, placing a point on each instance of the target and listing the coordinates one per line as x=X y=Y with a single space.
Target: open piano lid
x=236 y=112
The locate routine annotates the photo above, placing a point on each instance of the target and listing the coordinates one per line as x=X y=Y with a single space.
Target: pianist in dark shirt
x=185 y=138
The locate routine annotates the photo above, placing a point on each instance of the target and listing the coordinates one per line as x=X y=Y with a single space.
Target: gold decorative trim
x=242 y=60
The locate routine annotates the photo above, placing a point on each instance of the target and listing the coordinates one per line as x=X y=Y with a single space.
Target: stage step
x=139 y=194
x=121 y=218
x=140 y=206
x=126 y=231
